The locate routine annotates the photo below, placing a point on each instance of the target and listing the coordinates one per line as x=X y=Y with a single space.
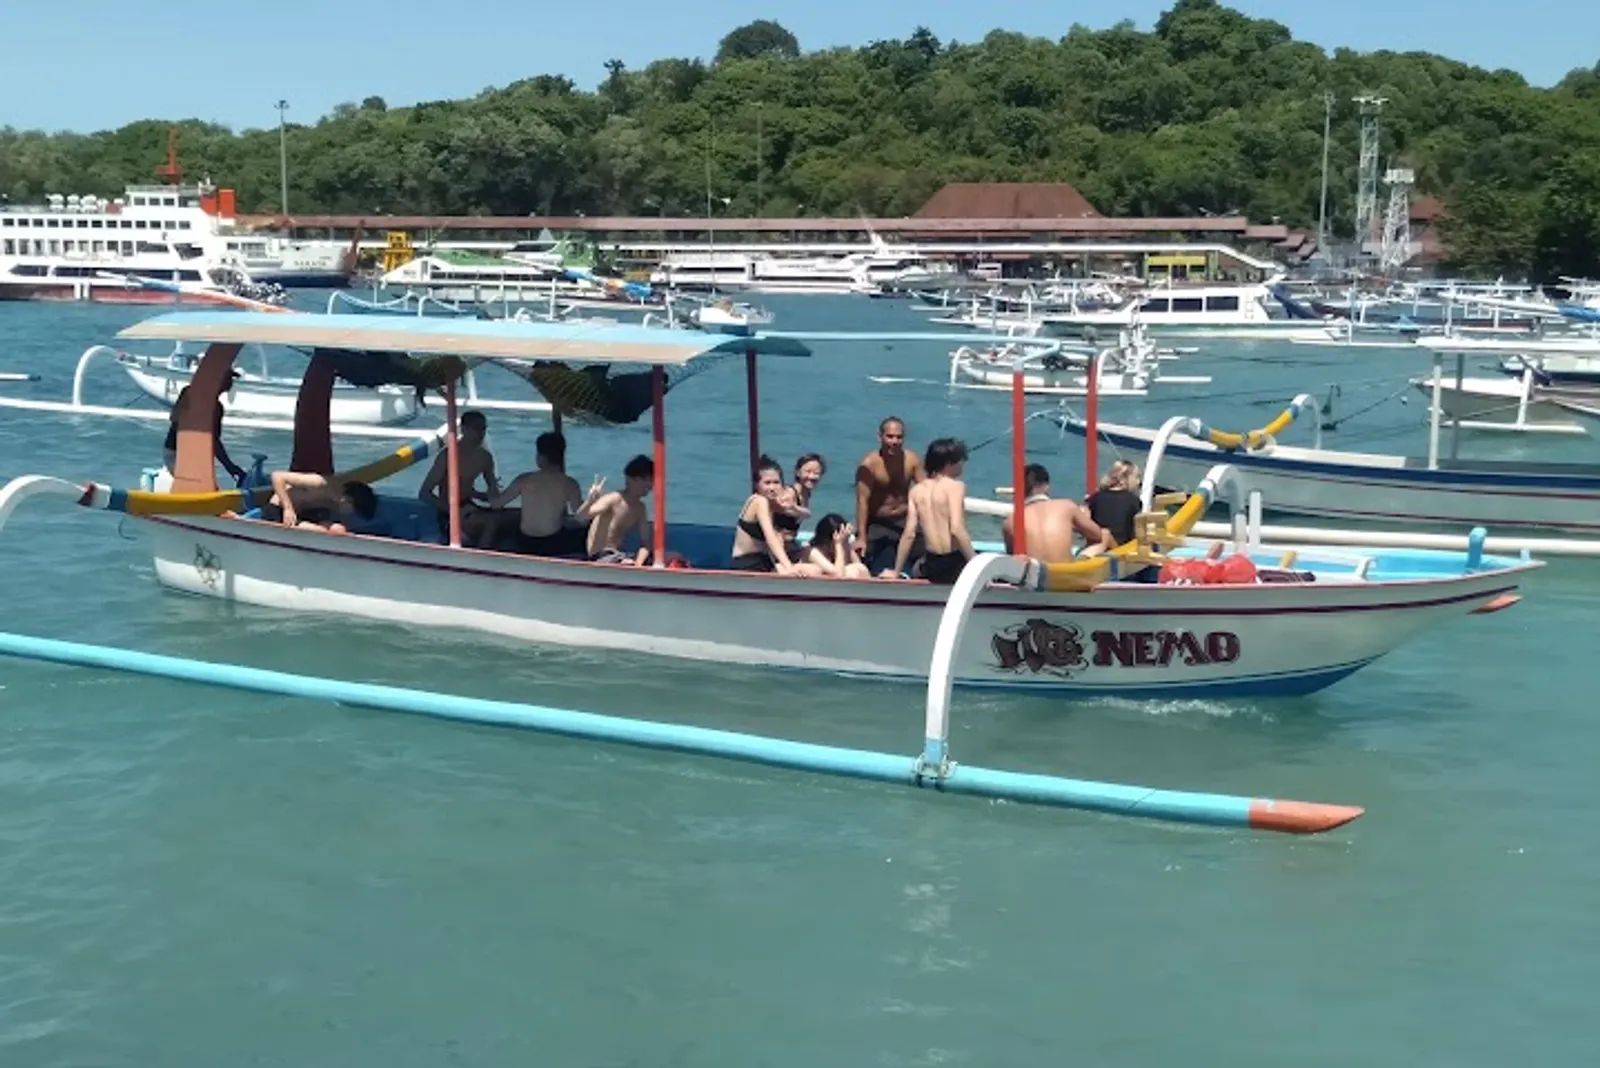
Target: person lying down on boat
x=323 y=502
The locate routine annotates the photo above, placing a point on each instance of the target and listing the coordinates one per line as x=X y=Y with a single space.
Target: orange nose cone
x=1300 y=817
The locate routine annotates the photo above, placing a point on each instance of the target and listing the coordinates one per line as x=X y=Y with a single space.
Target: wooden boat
x=1036 y=628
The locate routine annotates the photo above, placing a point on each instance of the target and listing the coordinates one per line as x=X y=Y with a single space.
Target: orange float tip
x=1505 y=600
x=1300 y=817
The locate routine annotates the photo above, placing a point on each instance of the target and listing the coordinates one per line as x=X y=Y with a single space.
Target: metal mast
x=1367 y=171
x=1322 y=212
x=1396 y=247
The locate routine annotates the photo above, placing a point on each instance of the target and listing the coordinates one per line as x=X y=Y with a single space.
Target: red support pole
x=1019 y=461
x=658 y=432
x=752 y=408
x=1091 y=467
x=453 y=463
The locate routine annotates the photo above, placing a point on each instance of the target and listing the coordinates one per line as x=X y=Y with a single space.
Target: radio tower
x=1367 y=171
x=1396 y=247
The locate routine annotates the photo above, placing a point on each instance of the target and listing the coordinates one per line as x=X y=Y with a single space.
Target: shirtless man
x=1051 y=523
x=618 y=513
x=883 y=485
x=549 y=495
x=475 y=462
x=937 y=509
x=307 y=500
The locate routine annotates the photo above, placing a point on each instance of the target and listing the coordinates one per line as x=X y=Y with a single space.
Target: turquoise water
x=195 y=876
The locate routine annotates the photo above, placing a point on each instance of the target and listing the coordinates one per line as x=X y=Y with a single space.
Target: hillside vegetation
x=1212 y=111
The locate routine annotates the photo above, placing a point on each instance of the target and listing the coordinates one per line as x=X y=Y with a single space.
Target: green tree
x=762 y=37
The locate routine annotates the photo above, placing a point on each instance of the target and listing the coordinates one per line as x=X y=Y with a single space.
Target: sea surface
x=195 y=876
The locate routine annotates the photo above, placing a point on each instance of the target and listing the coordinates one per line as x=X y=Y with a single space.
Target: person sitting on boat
x=1115 y=504
x=613 y=516
x=169 y=455
x=833 y=550
x=936 y=509
x=474 y=462
x=1051 y=523
x=883 y=484
x=550 y=499
x=321 y=501
x=795 y=500
x=765 y=537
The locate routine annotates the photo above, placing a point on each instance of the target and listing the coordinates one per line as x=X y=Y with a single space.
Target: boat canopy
x=472 y=340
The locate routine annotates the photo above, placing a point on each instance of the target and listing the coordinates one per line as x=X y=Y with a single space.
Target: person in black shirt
x=220 y=451
x=1115 y=504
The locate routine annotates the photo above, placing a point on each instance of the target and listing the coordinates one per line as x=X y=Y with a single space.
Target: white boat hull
x=258 y=398
x=1126 y=640
x=1378 y=488
x=1067 y=380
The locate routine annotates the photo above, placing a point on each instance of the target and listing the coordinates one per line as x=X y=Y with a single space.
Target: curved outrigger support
x=934 y=769
x=1250 y=441
x=106 y=498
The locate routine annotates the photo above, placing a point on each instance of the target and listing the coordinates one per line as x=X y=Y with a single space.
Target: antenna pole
x=1327 y=133
x=283 y=155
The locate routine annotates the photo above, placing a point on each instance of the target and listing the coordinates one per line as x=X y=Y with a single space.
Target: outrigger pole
x=1222 y=810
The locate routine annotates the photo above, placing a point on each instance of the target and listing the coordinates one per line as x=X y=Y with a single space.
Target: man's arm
x=596 y=503
x=863 y=499
x=1093 y=533
x=429 y=490
x=907 y=536
x=220 y=451
x=958 y=519
x=1008 y=528
x=284 y=481
x=490 y=480
x=646 y=542
x=501 y=498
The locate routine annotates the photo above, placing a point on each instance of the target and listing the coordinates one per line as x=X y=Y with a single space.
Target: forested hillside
x=1212 y=111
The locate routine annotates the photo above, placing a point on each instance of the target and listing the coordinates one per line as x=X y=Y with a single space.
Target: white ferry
x=88 y=248
x=1240 y=311
x=855 y=272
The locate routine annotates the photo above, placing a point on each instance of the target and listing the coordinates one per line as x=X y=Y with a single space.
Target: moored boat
x=1369 y=487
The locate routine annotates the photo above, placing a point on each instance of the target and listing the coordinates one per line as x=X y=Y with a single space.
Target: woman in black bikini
x=766 y=535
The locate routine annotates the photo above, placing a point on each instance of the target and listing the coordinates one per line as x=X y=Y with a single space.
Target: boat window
x=1156 y=304
x=10 y=247
x=32 y=270
x=97 y=224
x=189 y=276
x=1222 y=303
x=52 y=223
x=1187 y=304
x=183 y=224
x=147 y=246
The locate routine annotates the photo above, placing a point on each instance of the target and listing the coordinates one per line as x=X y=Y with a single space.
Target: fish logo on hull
x=1041 y=647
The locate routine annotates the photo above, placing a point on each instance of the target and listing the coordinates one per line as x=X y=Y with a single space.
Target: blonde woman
x=1115 y=504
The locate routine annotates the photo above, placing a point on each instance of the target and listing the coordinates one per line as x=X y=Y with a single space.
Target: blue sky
x=95 y=64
